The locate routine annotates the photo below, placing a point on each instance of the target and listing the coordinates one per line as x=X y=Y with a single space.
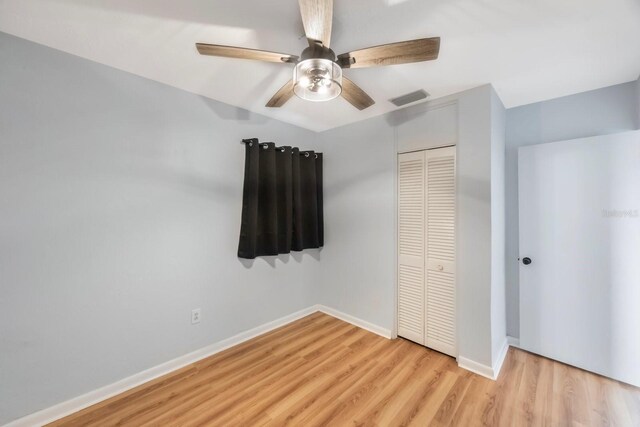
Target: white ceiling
x=530 y=50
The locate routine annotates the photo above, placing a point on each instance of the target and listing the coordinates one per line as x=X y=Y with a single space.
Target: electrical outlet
x=195 y=315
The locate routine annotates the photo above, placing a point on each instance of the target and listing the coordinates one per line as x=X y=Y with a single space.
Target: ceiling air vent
x=409 y=98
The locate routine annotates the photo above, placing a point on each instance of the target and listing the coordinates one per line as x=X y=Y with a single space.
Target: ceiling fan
x=317 y=75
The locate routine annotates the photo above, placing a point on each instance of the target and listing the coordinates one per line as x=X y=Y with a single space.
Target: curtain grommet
x=306 y=154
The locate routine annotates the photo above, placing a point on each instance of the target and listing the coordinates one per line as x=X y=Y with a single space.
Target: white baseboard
x=63 y=409
x=487 y=371
x=355 y=321
x=475 y=367
x=513 y=341
x=497 y=365
x=76 y=404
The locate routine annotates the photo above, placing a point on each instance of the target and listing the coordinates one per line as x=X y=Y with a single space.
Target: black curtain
x=281 y=201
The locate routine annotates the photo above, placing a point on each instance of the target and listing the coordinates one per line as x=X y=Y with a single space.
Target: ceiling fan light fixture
x=317 y=79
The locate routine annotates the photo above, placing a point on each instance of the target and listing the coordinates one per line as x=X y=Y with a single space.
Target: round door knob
x=526 y=260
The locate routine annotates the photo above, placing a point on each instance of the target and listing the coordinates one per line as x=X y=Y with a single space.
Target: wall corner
x=498 y=230
x=638 y=103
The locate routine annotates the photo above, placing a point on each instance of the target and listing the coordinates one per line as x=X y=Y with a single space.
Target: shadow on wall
x=474 y=189
x=228 y=112
x=399 y=117
x=283 y=258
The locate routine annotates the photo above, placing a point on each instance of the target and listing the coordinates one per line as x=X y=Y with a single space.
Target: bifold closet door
x=440 y=295
x=411 y=232
x=426 y=248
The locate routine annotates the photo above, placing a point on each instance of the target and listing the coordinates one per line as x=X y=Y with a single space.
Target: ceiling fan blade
x=282 y=95
x=244 y=53
x=354 y=95
x=317 y=16
x=393 y=53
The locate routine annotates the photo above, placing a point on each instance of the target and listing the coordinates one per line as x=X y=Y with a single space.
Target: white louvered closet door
x=426 y=248
x=411 y=229
x=440 y=296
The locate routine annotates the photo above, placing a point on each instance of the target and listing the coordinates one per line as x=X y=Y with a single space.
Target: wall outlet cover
x=195 y=315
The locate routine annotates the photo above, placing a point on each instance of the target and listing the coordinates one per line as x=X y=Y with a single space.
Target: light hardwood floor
x=323 y=371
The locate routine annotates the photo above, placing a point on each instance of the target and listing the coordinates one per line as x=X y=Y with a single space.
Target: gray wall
x=358 y=267
x=598 y=112
x=120 y=208
x=358 y=273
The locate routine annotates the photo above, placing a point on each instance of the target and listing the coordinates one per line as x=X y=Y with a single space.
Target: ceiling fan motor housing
x=317 y=50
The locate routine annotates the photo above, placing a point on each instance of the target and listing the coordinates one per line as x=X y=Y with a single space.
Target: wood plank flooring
x=320 y=371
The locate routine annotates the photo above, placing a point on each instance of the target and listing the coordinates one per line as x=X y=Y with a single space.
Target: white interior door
x=579 y=205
